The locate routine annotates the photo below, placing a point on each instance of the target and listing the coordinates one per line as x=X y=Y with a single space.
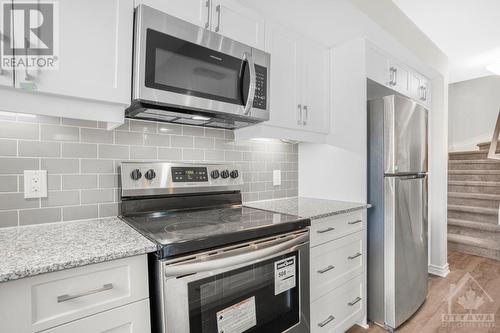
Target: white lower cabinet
x=60 y=300
x=338 y=272
x=132 y=318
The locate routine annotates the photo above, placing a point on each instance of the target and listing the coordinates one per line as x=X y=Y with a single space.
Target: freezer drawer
x=405 y=244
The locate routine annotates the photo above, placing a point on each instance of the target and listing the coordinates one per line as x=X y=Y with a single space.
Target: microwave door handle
x=251 y=87
x=246 y=257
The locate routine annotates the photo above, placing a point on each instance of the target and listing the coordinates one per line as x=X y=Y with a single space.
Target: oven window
x=175 y=65
x=248 y=299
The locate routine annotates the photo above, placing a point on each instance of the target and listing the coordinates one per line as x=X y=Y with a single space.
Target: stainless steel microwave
x=186 y=74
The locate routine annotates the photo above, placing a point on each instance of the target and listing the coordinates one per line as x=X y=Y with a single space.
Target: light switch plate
x=276 y=177
x=35 y=184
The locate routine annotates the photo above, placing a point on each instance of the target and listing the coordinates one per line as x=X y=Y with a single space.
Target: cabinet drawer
x=333 y=227
x=339 y=309
x=335 y=262
x=56 y=298
x=132 y=318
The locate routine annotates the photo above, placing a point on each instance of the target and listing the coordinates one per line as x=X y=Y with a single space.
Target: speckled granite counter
x=31 y=250
x=307 y=207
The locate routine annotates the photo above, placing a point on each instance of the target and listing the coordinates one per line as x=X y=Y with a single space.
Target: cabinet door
x=132 y=318
x=193 y=11
x=95 y=52
x=398 y=78
x=237 y=22
x=6 y=75
x=285 y=109
x=314 y=67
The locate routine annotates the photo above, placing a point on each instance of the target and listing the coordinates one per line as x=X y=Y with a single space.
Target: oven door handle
x=253 y=82
x=253 y=253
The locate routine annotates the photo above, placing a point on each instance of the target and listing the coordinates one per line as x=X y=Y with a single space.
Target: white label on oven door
x=284 y=275
x=238 y=317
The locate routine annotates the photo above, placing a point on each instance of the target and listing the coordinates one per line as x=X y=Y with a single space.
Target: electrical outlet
x=35 y=184
x=276 y=177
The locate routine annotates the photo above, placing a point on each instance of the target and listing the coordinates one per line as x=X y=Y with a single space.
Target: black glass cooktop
x=186 y=231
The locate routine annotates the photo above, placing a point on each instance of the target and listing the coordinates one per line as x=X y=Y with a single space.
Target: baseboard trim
x=441 y=271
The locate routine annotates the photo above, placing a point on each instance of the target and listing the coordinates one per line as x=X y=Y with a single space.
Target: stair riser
x=474 y=189
x=473 y=217
x=487 y=147
x=473 y=202
x=474 y=166
x=465 y=156
x=488 y=253
x=495 y=236
x=482 y=178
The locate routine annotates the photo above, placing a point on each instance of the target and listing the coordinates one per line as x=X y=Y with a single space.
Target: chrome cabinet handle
x=207 y=4
x=423 y=93
x=354 y=301
x=253 y=83
x=306 y=113
x=326 y=321
x=217 y=9
x=393 y=76
x=354 y=256
x=66 y=297
x=326 y=269
x=299 y=114
x=325 y=230
x=355 y=222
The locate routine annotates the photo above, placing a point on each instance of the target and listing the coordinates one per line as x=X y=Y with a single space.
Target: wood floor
x=429 y=319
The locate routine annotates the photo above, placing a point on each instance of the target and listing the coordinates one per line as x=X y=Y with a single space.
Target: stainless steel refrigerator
x=397 y=222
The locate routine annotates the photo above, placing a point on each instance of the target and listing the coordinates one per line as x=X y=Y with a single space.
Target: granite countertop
x=31 y=250
x=308 y=207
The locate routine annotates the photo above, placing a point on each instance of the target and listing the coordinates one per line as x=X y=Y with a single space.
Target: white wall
x=474 y=106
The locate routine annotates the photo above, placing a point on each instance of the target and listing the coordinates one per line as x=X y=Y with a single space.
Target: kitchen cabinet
x=74 y=300
x=299 y=81
x=226 y=17
x=398 y=78
x=338 y=272
x=419 y=87
x=95 y=53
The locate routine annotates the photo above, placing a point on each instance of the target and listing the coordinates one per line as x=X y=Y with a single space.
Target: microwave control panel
x=260 y=99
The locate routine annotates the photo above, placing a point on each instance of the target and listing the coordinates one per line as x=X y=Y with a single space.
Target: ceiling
x=467 y=31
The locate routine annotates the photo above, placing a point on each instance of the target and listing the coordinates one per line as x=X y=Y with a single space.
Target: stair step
x=486 y=145
x=474 y=172
x=489 y=227
x=474 y=199
x=474 y=175
x=474 y=187
x=481 y=164
x=475 y=246
x=471 y=213
x=472 y=209
x=468 y=155
x=482 y=196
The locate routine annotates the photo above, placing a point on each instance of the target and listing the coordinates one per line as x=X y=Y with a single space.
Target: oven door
x=180 y=65
x=261 y=287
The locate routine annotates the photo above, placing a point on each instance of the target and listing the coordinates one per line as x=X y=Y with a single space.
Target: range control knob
x=234 y=174
x=224 y=173
x=214 y=174
x=136 y=174
x=150 y=174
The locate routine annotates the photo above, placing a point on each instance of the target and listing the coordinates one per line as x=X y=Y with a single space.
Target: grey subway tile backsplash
x=82 y=159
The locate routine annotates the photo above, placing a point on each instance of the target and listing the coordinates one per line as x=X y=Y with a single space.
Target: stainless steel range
x=220 y=266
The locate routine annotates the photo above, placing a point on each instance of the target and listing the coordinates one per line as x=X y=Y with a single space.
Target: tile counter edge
x=38 y=249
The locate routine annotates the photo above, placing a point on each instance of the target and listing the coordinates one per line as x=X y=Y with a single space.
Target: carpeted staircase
x=473 y=203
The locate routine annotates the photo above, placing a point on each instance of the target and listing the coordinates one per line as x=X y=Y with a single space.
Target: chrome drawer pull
x=326 y=321
x=354 y=256
x=355 y=222
x=325 y=230
x=326 y=269
x=64 y=298
x=356 y=300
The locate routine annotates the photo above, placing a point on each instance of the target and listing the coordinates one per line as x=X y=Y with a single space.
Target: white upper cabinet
x=398 y=78
x=299 y=81
x=193 y=11
x=237 y=22
x=226 y=17
x=95 y=52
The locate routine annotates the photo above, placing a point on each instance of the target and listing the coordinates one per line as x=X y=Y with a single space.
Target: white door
x=95 y=52
x=237 y=22
x=315 y=86
x=285 y=110
x=193 y=11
